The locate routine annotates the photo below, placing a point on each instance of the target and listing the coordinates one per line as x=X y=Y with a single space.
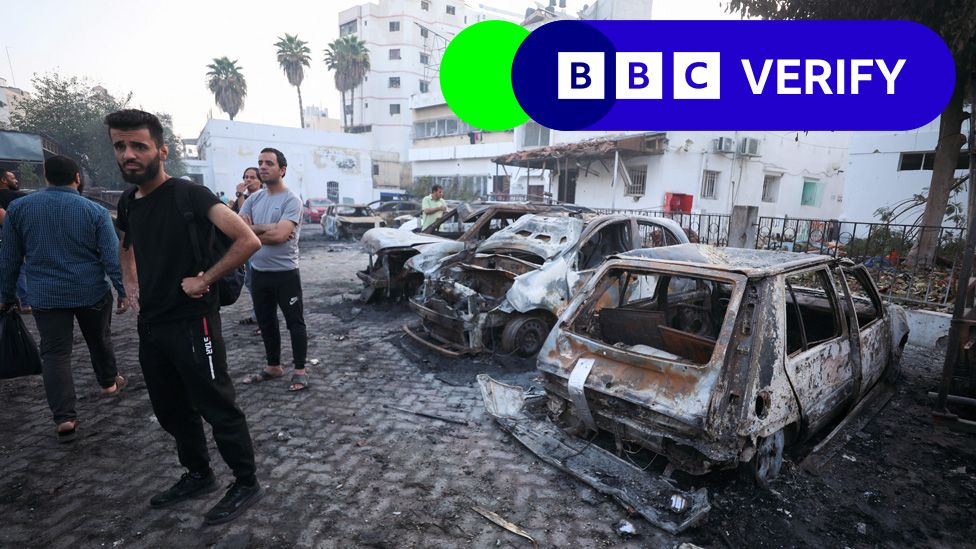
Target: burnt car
x=393 y=211
x=389 y=249
x=716 y=357
x=342 y=221
x=505 y=293
x=314 y=208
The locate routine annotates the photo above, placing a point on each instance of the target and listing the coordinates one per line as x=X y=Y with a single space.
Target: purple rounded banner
x=733 y=75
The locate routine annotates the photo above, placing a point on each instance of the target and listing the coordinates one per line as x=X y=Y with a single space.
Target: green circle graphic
x=476 y=75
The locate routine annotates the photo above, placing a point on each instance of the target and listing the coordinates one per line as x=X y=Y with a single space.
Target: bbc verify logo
x=698 y=75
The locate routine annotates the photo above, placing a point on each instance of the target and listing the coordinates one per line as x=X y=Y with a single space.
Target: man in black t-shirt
x=181 y=349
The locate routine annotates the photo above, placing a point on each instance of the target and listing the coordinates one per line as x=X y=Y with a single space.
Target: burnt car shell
x=349 y=221
x=754 y=374
x=507 y=292
x=390 y=249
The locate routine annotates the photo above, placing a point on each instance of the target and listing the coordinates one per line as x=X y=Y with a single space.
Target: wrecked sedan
x=505 y=293
x=342 y=221
x=714 y=357
x=389 y=249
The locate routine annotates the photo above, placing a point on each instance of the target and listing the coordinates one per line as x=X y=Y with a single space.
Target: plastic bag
x=18 y=352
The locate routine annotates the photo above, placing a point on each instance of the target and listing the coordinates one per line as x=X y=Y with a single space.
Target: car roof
x=469 y=209
x=753 y=263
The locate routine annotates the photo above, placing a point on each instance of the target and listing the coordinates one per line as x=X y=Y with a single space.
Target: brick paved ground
x=339 y=468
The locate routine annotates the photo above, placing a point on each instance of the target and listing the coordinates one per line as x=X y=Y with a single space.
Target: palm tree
x=227 y=83
x=349 y=58
x=293 y=57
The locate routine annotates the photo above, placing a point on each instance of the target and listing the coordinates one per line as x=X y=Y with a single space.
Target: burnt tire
x=768 y=461
x=524 y=335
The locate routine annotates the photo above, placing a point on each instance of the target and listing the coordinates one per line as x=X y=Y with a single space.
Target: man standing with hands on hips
x=181 y=348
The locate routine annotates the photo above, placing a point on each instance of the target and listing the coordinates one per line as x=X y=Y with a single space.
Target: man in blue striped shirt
x=70 y=246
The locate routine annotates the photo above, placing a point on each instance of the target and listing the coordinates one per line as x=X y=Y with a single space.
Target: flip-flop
x=298 y=379
x=120 y=383
x=69 y=435
x=261 y=377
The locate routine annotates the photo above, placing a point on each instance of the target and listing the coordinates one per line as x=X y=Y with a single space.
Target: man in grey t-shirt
x=275 y=216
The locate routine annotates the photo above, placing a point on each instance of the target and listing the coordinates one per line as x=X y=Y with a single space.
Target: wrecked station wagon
x=389 y=249
x=505 y=293
x=718 y=356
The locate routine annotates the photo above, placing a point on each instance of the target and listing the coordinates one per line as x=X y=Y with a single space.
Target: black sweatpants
x=273 y=290
x=185 y=366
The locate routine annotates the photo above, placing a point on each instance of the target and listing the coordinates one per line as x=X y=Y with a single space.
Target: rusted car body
x=505 y=294
x=389 y=249
x=714 y=357
x=342 y=221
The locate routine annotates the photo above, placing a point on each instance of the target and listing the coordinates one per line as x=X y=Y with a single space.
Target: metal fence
x=701 y=228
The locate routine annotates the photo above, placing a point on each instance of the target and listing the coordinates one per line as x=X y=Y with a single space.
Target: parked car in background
x=389 y=249
x=342 y=221
x=506 y=293
x=314 y=208
x=392 y=210
x=714 y=357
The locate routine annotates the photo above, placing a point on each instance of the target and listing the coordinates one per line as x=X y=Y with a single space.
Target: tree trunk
x=345 y=122
x=301 y=109
x=946 y=159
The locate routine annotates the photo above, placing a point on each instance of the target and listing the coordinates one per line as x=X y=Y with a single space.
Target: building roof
x=592 y=149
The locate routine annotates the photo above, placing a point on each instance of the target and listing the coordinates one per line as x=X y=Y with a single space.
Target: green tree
x=227 y=83
x=349 y=58
x=293 y=57
x=955 y=22
x=71 y=111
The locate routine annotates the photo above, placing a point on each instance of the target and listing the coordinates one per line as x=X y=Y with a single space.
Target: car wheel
x=768 y=460
x=525 y=335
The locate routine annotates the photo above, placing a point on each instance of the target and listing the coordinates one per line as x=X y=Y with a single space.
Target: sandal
x=120 y=383
x=69 y=434
x=298 y=379
x=262 y=376
x=247 y=321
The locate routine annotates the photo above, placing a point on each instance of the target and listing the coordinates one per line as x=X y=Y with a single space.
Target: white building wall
x=227 y=148
x=874 y=179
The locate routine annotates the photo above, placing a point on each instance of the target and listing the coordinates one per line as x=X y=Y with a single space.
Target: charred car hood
x=385 y=237
x=541 y=235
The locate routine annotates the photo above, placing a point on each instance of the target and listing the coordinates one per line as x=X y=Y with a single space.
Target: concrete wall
x=314 y=158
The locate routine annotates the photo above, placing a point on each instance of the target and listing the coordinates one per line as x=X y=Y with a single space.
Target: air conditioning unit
x=725 y=145
x=749 y=146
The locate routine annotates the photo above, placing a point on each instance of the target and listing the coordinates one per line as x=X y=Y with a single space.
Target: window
x=376 y=168
x=394 y=81
x=450 y=10
x=440 y=128
x=395 y=53
x=347 y=108
x=394 y=26
x=332 y=191
x=709 y=178
x=812 y=193
x=394 y=108
x=424 y=32
x=535 y=135
x=424 y=59
x=812 y=315
x=424 y=86
x=926 y=161
x=770 y=188
x=638 y=177
x=425 y=6
x=347 y=28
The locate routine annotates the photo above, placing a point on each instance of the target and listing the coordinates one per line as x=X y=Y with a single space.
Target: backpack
x=230 y=285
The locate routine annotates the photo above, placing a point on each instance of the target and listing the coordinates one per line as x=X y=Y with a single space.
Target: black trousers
x=273 y=290
x=56 y=327
x=185 y=366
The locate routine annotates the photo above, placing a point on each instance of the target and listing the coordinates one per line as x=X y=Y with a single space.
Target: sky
x=159 y=50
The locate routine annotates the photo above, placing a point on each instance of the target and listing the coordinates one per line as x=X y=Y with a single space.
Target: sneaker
x=190 y=485
x=237 y=499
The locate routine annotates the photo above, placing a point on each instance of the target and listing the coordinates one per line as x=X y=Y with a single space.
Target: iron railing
x=700 y=227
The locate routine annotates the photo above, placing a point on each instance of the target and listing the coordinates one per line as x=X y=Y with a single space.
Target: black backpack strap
x=182 y=195
x=123 y=205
